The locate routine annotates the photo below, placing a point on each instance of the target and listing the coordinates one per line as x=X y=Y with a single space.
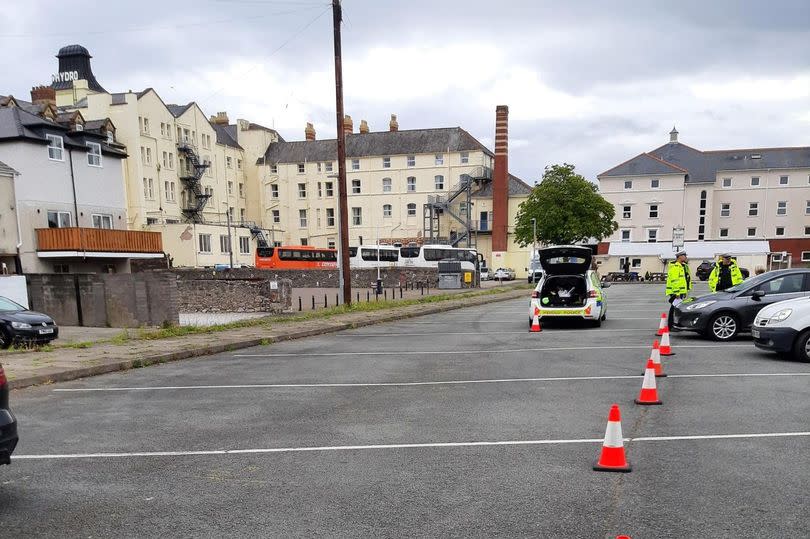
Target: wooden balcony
x=98 y=240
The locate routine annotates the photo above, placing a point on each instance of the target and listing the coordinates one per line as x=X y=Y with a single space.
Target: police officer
x=679 y=282
x=725 y=274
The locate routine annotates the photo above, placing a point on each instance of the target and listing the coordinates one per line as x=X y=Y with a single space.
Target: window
x=329 y=189
x=151 y=221
x=61 y=268
x=355 y=164
x=148 y=189
x=56 y=148
x=755 y=181
x=244 y=245
x=411 y=184
x=628 y=184
x=439 y=159
x=224 y=244
x=357 y=216
x=328 y=166
x=439 y=182
x=386 y=162
x=330 y=216
x=625 y=236
x=229 y=162
x=753 y=209
x=807 y=231
x=723 y=232
x=162 y=129
x=653 y=211
x=276 y=216
x=655 y=184
x=94 y=154
x=303 y=241
x=783 y=180
x=230 y=188
x=59 y=219
x=465 y=158
x=355 y=187
x=302 y=190
x=302 y=218
x=411 y=209
x=171 y=161
x=780 y=231
x=752 y=231
x=411 y=160
x=627 y=212
x=165 y=159
x=301 y=168
x=241 y=190
x=318 y=217
x=462 y=208
x=652 y=235
x=805 y=256
x=387 y=211
x=635 y=263
x=330 y=243
x=726 y=182
x=168 y=191
x=205 y=243
x=781 y=207
x=386 y=185
x=273 y=168
x=238 y=164
x=320 y=190
x=101 y=220
x=789 y=284
x=807 y=207
x=274 y=190
x=725 y=209
x=319 y=166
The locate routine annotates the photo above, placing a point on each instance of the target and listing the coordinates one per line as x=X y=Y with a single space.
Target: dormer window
x=110 y=137
x=79 y=127
x=56 y=148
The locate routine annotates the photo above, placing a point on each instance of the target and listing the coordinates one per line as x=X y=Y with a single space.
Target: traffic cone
x=613 y=458
x=662 y=324
x=665 y=349
x=536 y=324
x=655 y=355
x=649 y=393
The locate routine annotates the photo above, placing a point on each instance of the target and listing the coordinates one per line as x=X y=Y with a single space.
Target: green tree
x=568 y=209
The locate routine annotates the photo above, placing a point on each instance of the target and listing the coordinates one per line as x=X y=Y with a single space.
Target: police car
x=568 y=287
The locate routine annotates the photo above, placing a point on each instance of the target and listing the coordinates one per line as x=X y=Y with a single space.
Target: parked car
x=19 y=325
x=704 y=269
x=485 y=274
x=723 y=315
x=8 y=424
x=784 y=327
x=534 y=275
x=504 y=274
x=568 y=287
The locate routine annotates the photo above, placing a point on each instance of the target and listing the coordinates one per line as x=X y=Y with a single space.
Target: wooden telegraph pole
x=343 y=210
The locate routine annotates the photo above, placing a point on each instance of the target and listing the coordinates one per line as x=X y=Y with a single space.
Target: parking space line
x=429 y=445
x=553 y=330
x=425 y=383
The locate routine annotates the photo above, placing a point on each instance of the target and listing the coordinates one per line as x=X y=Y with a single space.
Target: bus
x=428 y=256
x=371 y=256
x=295 y=257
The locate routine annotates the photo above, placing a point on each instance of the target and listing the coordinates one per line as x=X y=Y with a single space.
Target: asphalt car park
x=457 y=424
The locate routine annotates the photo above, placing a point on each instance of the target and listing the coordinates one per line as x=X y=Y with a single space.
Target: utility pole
x=345 y=295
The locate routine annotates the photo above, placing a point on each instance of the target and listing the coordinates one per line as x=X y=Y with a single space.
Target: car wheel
x=530 y=280
x=801 y=349
x=5 y=340
x=723 y=327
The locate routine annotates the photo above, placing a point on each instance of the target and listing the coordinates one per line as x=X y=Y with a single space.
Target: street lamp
x=228 y=220
x=534 y=241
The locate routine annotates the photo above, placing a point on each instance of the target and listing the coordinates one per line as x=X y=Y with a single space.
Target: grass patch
x=83 y=344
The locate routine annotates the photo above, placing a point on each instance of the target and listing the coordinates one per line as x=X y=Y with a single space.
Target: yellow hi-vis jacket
x=679 y=280
x=714 y=277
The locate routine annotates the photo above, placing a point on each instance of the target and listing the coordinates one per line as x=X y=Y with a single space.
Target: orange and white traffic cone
x=662 y=324
x=655 y=355
x=664 y=348
x=649 y=393
x=536 y=324
x=613 y=458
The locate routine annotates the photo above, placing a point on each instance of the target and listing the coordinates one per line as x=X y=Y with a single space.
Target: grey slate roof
x=224 y=136
x=440 y=140
x=517 y=187
x=6 y=170
x=178 y=110
x=703 y=166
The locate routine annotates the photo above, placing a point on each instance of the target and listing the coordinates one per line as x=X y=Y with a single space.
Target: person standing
x=725 y=274
x=679 y=283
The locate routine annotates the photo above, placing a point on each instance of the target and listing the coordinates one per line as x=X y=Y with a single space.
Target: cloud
x=754 y=89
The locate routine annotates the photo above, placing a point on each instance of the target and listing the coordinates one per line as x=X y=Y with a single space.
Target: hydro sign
x=65 y=76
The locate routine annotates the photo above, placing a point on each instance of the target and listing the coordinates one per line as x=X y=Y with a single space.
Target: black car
x=705 y=269
x=8 y=425
x=19 y=325
x=723 y=315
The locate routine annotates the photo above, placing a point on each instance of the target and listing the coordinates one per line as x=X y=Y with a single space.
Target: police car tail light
x=592 y=293
x=535 y=294
x=3 y=379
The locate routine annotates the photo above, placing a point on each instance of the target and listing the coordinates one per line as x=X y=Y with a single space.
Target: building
x=759 y=194
x=9 y=230
x=67 y=192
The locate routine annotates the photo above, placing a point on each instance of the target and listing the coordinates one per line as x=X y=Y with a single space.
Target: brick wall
x=239 y=290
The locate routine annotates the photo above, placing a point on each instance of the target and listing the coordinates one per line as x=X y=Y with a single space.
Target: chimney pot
x=348 y=125
x=393 y=125
x=43 y=95
x=221 y=118
x=309 y=132
x=363 y=126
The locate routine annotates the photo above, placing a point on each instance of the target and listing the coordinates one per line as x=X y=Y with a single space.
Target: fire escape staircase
x=439 y=204
x=191 y=176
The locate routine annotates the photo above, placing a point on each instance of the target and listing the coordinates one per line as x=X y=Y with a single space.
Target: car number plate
x=45 y=331
x=755 y=333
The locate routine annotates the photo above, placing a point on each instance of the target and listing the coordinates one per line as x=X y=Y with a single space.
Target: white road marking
x=306 y=449
x=553 y=330
x=427 y=383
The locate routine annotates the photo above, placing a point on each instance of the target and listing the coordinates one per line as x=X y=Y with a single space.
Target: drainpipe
x=76 y=203
x=17 y=260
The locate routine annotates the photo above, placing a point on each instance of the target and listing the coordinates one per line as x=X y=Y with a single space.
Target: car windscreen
x=753 y=281
x=6 y=305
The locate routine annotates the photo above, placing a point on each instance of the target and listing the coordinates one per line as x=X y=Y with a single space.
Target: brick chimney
x=393 y=125
x=500 y=181
x=220 y=119
x=363 y=126
x=309 y=132
x=43 y=95
x=348 y=125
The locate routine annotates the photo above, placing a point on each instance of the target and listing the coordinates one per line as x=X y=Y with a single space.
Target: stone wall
x=106 y=300
x=239 y=290
x=324 y=278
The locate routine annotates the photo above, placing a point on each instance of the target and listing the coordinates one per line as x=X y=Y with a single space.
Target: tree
x=568 y=209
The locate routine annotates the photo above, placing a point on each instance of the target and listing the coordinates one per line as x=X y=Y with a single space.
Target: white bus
x=428 y=256
x=371 y=256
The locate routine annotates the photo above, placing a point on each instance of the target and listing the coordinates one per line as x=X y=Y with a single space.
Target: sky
x=591 y=83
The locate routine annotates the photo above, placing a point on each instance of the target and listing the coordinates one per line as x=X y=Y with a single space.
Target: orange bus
x=295 y=257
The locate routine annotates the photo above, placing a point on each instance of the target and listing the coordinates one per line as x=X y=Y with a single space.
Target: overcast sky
x=591 y=83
